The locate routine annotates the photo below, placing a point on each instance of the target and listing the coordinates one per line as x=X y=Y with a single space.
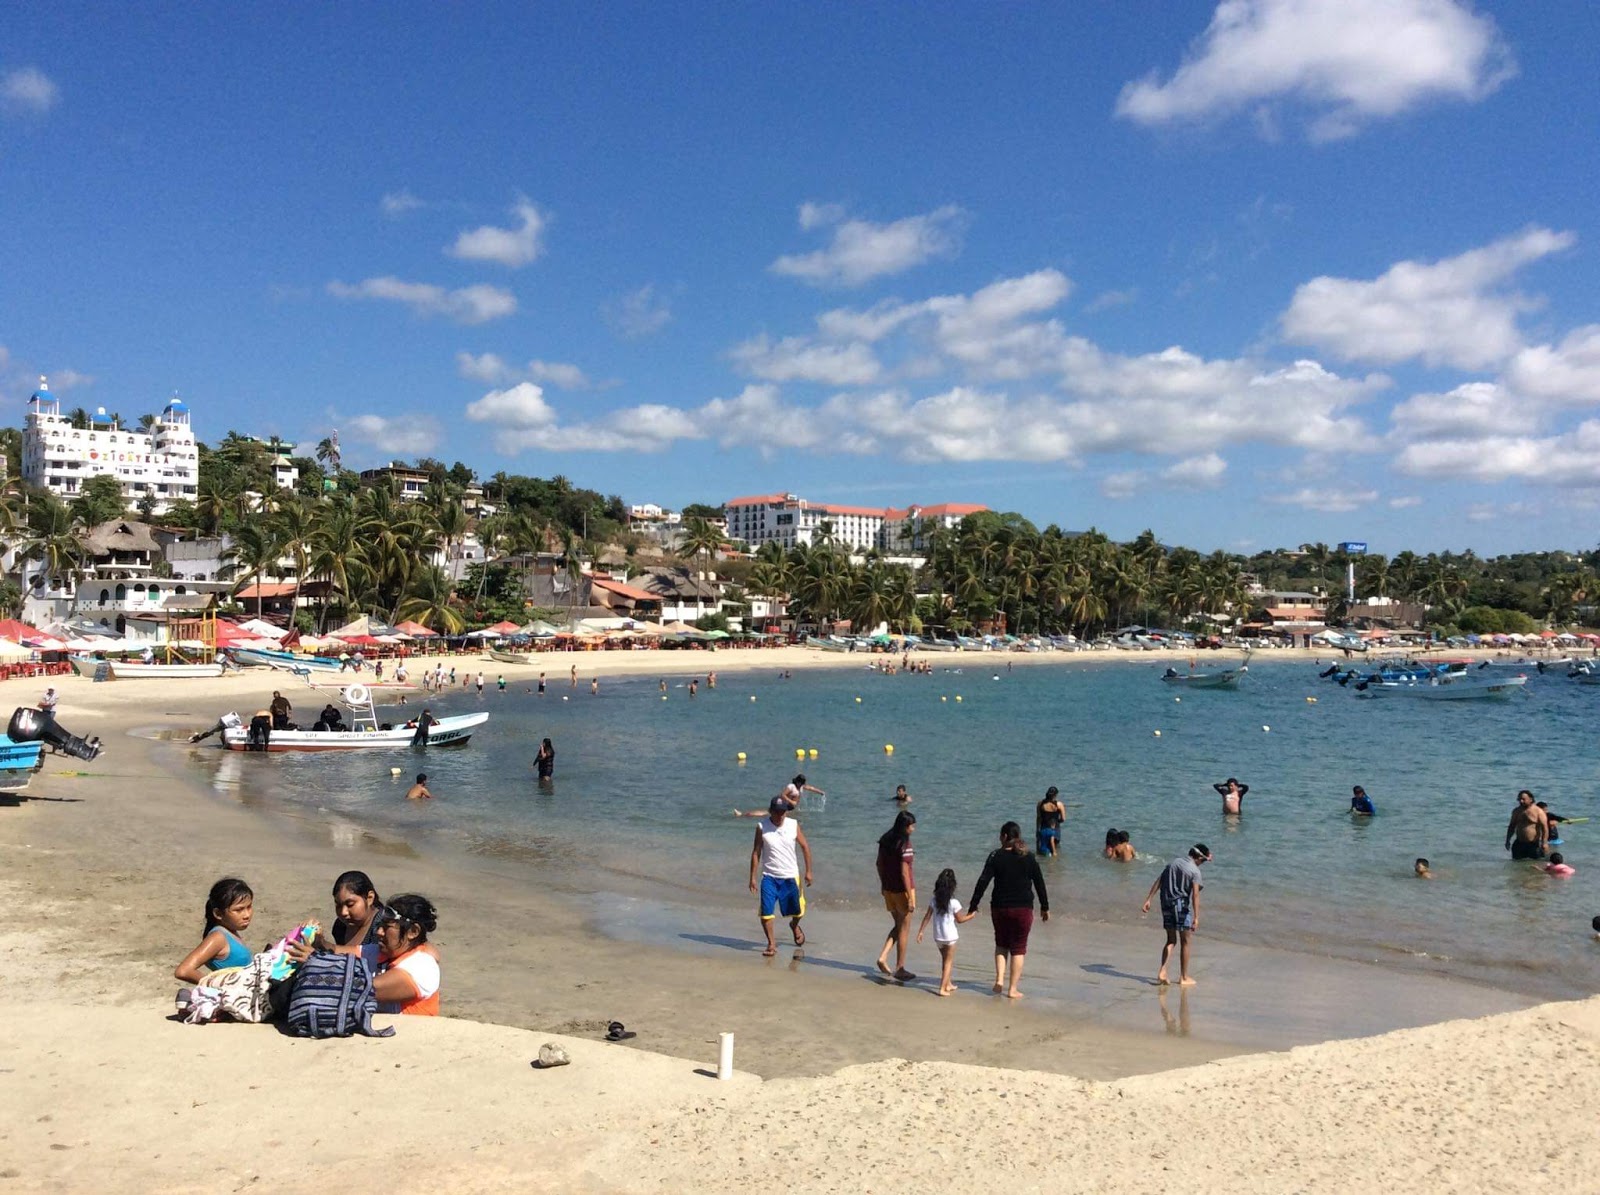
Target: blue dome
x=100 y=417
x=176 y=404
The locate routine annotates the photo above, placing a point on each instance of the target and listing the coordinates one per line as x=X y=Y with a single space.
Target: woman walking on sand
x=1016 y=877
x=899 y=892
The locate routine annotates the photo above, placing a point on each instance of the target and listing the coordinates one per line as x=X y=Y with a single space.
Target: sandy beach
x=843 y=1085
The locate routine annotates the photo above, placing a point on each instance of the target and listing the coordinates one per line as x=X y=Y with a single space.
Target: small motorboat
x=1452 y=686
x=285 y=661
x=364 y=733
x=508 y=657
x=1228 y=679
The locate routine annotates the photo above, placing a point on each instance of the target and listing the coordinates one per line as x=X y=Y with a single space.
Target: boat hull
x=1500 y=690
x=286 y=661
x=445 y=732
x=509 y=657
x=163 y=671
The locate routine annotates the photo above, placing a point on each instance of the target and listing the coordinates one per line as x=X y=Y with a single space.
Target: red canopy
x=21 y=632
x=505 y=628
x=417 y=629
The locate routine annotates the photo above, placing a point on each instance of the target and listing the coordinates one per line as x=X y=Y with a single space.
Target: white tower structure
x=163 y=463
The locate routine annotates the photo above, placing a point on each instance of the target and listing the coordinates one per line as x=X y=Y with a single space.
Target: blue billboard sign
x=1352 y=548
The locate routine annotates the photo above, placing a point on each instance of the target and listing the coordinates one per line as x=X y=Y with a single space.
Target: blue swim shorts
x=1177 y=915
x=1047 y=841
x=781 y=897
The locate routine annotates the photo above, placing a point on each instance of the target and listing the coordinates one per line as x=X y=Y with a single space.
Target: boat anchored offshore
x=1228 y=678
x=1452 y=686
x=363 y=734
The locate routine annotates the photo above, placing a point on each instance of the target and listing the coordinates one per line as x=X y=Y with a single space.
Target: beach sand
x=843 y=1086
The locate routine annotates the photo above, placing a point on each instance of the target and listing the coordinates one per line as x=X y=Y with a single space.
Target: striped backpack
x=333 y=997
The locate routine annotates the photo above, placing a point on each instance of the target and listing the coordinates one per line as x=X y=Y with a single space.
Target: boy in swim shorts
x=1179 y=885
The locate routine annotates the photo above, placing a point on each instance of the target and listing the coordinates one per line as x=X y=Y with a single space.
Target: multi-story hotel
x=788 y=519
x=162 y=463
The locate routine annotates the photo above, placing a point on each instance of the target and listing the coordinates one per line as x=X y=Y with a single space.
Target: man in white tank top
x=775 y=872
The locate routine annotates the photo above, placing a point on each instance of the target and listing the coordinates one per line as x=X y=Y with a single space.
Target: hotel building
x=787 y=519
x=162 y=463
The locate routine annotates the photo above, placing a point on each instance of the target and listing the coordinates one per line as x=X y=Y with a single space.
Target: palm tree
x=336 y=550
x=429 y=602
x=53 y=540
x=254 y=551
x=294 y=530
x=700 y=538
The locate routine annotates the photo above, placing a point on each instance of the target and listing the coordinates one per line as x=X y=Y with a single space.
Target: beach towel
x=252 y=993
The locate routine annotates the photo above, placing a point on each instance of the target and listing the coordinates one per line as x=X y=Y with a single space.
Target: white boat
x=1227 y=679
x=129 y=671
x=365 y=732
x=508 y=657
x=935 y=645
x=1457 y=686
x=1526 y=665
x=284 y=661
x=830 y=643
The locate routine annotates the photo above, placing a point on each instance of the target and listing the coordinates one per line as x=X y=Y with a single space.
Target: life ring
x=357 y=695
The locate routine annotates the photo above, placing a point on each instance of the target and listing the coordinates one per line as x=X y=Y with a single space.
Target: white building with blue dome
x=162 y=463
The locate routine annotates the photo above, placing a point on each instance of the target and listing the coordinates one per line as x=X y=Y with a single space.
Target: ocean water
x=644 y=789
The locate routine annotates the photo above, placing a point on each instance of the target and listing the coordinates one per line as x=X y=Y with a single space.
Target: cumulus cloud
x=399 y=435
x=493 y=370
x=1569 y=458
x=1475 y=408
x=1447 y=312
x=860 y=251
x=1346 y=63
x=466 y=305
x=1563 y=375
x=509 y=247
x=521 y=418
x=796 y=359
x=1330 y=501
x=638 y=313
x=27 y=89
x=1404 y=502
x=397 y=203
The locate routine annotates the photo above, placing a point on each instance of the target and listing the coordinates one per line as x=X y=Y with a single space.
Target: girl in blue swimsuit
x=229 y=908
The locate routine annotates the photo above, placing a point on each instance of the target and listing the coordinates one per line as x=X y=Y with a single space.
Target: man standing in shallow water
x=1179 y=885
x=1528 y=827
x=773 y=864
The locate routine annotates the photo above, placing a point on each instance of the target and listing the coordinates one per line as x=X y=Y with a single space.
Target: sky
x=1250 y=274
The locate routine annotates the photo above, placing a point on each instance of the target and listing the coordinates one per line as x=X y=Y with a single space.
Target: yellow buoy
x=958 y=696
x=1158 y=734
x=752 y=697
x=740 y=757
x=799 y=752
x=858 y=701
x=1265 y=729
x=812 y=753
x=888 y=748
x=944 y=699
x=394 y=771
x=663 y=697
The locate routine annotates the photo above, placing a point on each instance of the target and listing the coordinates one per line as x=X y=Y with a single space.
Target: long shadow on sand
x=746 y=946
x=1110 y=972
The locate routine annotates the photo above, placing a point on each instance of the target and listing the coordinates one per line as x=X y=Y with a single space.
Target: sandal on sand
x=904 y=976
x=799 y=936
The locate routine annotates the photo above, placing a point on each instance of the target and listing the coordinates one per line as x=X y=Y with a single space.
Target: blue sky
x=1251 y=274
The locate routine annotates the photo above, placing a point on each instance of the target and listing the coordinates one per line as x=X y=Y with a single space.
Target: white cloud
x=522 y=419
x=861 y=251
x=1193 y=473
x=1108 y=299
x=1346 y=62
x=509 y=247
x=1564 y=375
x=494 y=371
x=1404 y=502
x=797 y=359
x=1472 y=409
x=397 y=203
x=466 y=305
x=638 y=313
x=1442 y=313
x=28 y=89
x=1569 y=458
x=1331 y=501
x=400 y=435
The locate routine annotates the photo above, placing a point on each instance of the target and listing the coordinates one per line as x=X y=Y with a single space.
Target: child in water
x=945 y=913
x=1422 y=870
x=229 y=907
x=1558 y=866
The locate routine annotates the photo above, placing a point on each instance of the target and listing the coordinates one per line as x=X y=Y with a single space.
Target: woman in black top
x=1016 y=877
x=545 y=761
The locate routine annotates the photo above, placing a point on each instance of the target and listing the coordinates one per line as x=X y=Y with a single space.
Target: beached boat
x=1227 y=679
x=18 y=757
x=285 y=661
x=364 y=734
x=830 y=643
x=508 y=657
x=129 y=670
x=1455 y=686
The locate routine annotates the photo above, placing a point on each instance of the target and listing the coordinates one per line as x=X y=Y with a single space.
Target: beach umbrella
x=416 y=630
x=13 y=651
x=260 y=628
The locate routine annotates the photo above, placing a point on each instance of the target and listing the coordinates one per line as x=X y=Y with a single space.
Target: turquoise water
x=644 y=789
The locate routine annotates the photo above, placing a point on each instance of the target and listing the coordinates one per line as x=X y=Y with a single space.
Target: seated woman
x=408 y=975
x=356 y=905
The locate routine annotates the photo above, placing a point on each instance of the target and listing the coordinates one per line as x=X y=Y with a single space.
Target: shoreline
x=106 y=868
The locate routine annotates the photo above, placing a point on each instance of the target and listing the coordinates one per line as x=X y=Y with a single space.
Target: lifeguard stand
x=202 y=628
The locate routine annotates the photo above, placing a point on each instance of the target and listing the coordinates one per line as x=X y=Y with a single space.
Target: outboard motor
x=35 y=726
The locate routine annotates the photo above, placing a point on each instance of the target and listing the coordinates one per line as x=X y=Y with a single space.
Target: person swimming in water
x=1360 y=804
x=1047 y=820
x=1422 y=870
